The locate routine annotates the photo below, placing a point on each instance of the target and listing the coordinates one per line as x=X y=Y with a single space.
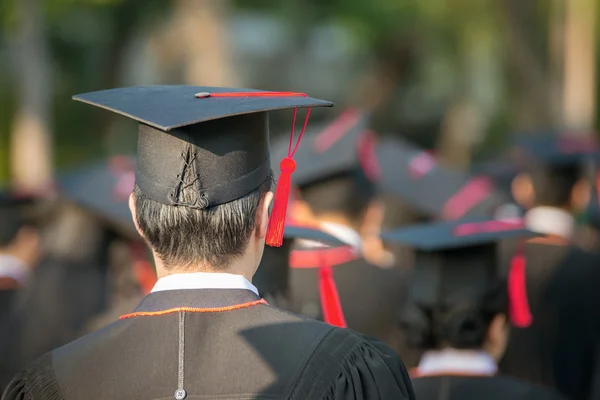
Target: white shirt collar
x=436 y=362
x=550 y=221
x=343 y=233
x=203 y=280
x=12 y=267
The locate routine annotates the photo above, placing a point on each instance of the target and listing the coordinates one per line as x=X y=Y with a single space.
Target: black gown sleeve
x=35 y=382
x=372 y=371
x=350 y=366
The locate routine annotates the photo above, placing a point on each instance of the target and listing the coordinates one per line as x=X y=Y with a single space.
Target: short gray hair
x=184 y=236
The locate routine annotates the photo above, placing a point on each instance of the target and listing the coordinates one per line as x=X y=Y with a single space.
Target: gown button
x=180 y=394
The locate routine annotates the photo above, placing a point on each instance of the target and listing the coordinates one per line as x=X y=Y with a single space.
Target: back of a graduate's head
x=553 y=185
x=348 y=194
x=184 y=237
x=469 y=325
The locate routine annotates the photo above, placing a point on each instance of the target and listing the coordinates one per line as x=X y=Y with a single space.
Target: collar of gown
x=550 y=221
x=14 y=268
x=203 y=280
x=339 y=231
x=449 y=361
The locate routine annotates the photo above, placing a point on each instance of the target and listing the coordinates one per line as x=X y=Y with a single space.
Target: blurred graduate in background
x=460 y=309
x=563 y=280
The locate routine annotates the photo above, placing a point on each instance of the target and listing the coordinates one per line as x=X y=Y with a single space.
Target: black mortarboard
x=415 y=176
x=557 y=163
x=103 y=188
x=501 y=170
x=554 y=150
x=456 y=262
x=214 y=140
x=334 y=150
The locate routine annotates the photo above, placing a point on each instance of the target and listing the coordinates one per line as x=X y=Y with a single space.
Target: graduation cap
x=103 y=188
x=456 y=263
x=556 y=163
x=212 y=140
x=339 y=148
x=415 y=176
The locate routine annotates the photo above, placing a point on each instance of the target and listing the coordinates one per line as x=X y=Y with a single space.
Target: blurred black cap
x=456 y=262
x=415 y=176
x=329 y=152
x=102 y=188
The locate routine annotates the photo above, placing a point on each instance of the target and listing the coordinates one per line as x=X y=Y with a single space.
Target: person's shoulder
x=347 y=365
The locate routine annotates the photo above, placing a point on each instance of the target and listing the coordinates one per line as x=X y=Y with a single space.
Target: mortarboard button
x=202 y=95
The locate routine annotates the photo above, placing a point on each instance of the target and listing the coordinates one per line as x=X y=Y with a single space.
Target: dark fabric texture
x=477 y=388
x=370 y=297
x=36 y=382
x=256 y=352
x=559 y=349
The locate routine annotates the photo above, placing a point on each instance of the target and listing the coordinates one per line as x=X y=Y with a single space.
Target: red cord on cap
x=519 y=310
x=287 y=165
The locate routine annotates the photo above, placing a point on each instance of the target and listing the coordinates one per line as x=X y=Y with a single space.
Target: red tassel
x=520 y=313
x=330 y=299
x=280 y=203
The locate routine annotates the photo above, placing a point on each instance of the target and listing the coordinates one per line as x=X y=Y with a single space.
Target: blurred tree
x=195 y=39
x=31 y=152
x=579 y=101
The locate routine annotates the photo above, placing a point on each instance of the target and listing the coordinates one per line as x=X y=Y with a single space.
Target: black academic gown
x=215 y=343
x=9 y=330
x=559 y=349
x=499 y=387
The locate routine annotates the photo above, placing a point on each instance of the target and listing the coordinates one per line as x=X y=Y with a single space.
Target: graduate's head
x=458 y=296
x=19 y=233
x=203 y=176
x=213 y=237
x=554 y=173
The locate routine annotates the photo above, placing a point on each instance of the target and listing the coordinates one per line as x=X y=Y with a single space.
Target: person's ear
x=497 y=336
x=580 y=195
x=522 y=190
x=262 y=215
x=373 y=218
x=133 y=213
